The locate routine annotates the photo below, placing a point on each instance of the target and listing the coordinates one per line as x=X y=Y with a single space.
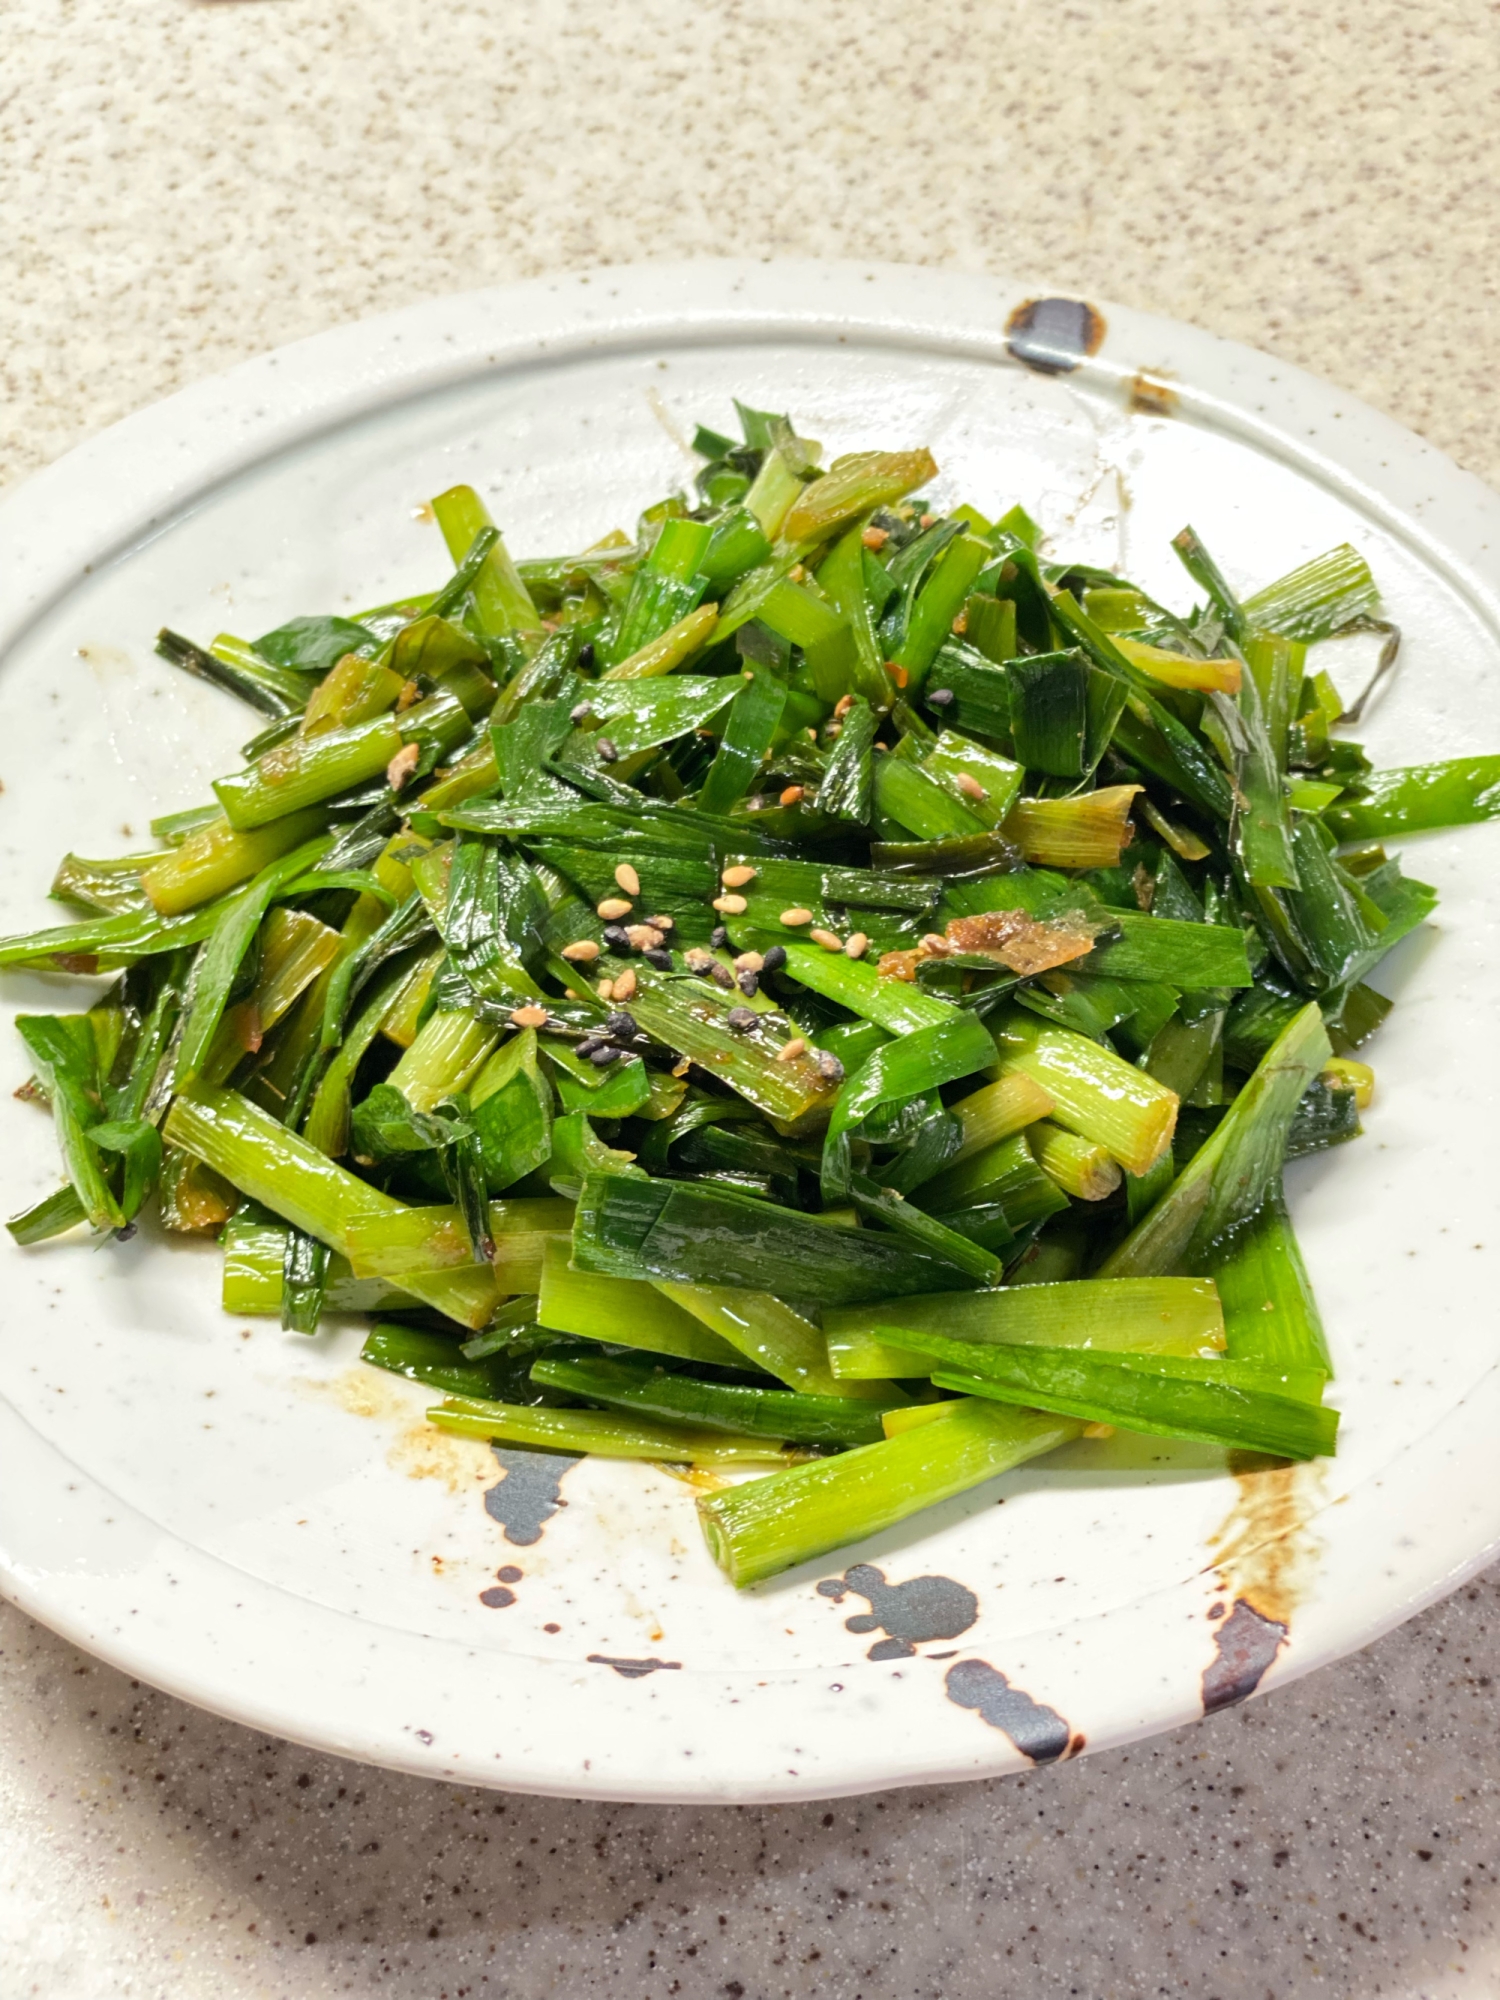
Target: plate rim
x=120 y=488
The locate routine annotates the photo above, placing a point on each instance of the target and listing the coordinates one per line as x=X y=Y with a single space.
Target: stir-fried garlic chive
x=1027 y=860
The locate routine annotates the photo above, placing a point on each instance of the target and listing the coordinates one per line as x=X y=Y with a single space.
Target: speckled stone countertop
x=186 y=185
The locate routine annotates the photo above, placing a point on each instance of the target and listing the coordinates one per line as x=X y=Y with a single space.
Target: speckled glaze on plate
x=255 y=1522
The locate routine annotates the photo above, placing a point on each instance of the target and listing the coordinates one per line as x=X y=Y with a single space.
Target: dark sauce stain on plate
x=635 y=1670
x=924 y=1607
x=1037 y=1731
x=1264 y=1560
x=1245 y=1644
x=529 y=1495
x=1054 y=335
x=497 y=1597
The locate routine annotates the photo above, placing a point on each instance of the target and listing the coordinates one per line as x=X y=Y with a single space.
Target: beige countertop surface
x=185 y=185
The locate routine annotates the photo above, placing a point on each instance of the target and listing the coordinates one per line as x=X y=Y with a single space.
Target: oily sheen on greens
x=816 y=986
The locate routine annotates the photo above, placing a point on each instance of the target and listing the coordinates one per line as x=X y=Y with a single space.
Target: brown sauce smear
x=1152 y=395
x=1266 y=1556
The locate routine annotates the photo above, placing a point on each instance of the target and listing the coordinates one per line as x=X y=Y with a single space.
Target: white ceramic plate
x=255 y=1522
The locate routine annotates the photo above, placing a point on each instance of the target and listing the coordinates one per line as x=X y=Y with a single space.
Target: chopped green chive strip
x=749 y=731
x=307 y=769
x=1270 y=1313
x=1202 y=568
x=254 y=1246
x=605 y=1434
x=435 y=1239
x=774 y=1413
x=764 y=1329
x=219 y=961
x=1103 y=1390
x=450 y=1048
x=502 y=602
x=1317 y=599
x=890 y=1003
x=67 y=1062
x=1460 y=792
x=855 y=485
x=1227 y=1179
x=700 y=1234
x=996 y=1111
x=282 y=1172
x=944 y=1053
x=215 y=859
x=53 y=1215
x=105 y=944
x=1081 y=1167
x=436 y=1362
x=1001 y=1184
x=1168 y=1316
x=231 y=664
x=1093 y=1092
x=759 y=1529
x=625 y=1312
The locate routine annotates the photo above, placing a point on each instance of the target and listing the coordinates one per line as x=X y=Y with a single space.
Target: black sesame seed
x=616 y=937
x=622 y=1027
x=588 y=1045
x=830 y=1066
x=940 y=698
x=583 y=713
x=662 y=960
x=719 y=938
x=749 y=984
x=608 y=754
x=602 y=1058
x=741 y=1019
x=586 y=656
x=722 y=976
x=774 y=959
